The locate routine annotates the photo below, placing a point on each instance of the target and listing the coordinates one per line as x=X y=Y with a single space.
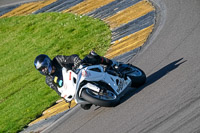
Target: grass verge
x=23 y=92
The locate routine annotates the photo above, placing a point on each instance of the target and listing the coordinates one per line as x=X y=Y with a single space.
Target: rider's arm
x=49 y=82
x=68 y=61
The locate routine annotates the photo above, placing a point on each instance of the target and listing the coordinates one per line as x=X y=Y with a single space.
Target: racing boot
x=93 y=59
x=102 y=60
x=86 y=106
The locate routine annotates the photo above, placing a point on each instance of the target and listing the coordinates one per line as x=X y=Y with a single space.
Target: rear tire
x=137 y=76
x=108 y=99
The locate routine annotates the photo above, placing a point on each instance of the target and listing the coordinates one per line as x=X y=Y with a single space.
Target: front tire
x=107 y=99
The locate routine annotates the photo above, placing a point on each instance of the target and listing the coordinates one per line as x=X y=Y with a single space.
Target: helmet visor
x=46 y=67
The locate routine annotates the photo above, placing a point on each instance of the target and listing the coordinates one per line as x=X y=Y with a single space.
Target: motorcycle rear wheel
x=107 y=99
x=138 y=77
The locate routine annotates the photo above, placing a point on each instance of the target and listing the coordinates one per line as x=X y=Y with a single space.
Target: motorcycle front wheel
x=106 y=99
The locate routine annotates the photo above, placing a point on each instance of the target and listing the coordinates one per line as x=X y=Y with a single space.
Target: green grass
x=23 y=92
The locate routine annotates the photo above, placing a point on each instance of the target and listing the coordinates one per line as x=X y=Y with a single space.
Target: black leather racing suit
x=58 y=63
x=70 y=62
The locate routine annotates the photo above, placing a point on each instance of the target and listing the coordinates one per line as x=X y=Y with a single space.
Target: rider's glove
x=77 y=62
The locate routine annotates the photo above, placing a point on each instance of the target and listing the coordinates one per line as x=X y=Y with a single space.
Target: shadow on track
x=154 y=77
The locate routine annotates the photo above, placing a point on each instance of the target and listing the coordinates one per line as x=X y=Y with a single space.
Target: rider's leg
x=94 y=59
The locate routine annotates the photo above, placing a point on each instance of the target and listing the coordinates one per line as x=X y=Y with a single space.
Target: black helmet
x=43 y=64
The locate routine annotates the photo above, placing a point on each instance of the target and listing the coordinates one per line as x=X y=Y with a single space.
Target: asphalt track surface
x=170 y=100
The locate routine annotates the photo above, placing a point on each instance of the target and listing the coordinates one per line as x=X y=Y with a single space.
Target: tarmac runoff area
x=131 y=23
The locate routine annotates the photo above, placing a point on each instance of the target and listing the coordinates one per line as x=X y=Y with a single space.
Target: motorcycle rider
x=52 y=69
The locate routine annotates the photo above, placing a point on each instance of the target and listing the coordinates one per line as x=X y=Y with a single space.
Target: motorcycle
x=99 y=85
